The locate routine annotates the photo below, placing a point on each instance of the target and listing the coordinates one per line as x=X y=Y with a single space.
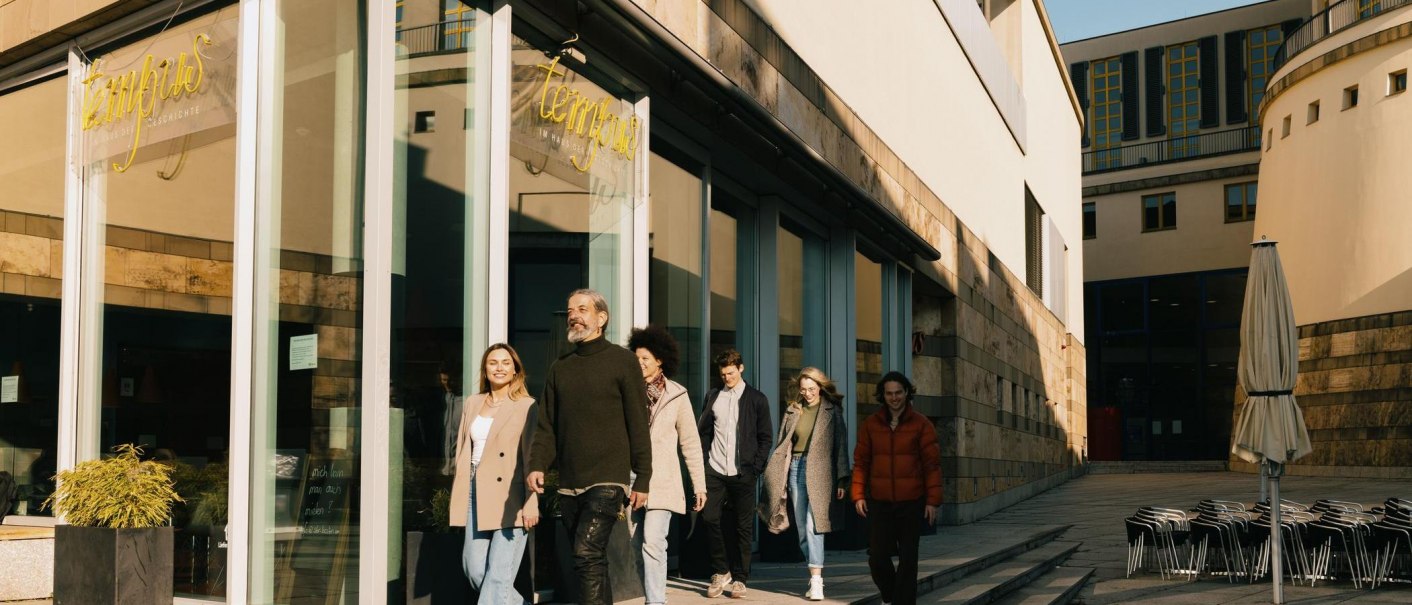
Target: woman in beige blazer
x=488 y=495
x=672 y=424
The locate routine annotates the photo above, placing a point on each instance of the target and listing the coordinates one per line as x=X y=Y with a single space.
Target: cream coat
x=674 y=438
x=502 y=499
x=825 y=469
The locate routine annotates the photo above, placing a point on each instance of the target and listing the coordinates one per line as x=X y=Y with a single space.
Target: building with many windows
x=1171 y=177
x=273 y=237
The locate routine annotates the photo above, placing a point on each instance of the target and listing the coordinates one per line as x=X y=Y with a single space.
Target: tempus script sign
x=177 y=84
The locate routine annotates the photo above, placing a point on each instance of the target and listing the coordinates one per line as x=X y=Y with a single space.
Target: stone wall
x=1355 y=388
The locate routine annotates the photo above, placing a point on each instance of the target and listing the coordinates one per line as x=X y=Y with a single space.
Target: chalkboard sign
x=325 y=506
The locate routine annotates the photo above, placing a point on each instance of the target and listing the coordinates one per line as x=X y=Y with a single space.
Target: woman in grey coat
x=672 y=424
x=808 y=466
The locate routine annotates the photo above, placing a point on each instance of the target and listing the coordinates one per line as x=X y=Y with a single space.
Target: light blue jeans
x=492 y=559
x=811 y=542
x=650 y=536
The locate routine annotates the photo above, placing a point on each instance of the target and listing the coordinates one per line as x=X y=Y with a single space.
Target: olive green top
x=805 y=429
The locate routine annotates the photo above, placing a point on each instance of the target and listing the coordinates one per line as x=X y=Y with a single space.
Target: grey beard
x=579 y=335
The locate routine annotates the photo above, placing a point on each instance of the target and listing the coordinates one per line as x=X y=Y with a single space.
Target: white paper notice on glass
x=304 y=352
x=1176 y=427
x=10 y=389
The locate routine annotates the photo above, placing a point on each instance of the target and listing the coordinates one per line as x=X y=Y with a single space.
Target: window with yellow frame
x=1107 y=112
x=458 y=21
x=1368 y=8
x=1260 y=46
x=1183 y=99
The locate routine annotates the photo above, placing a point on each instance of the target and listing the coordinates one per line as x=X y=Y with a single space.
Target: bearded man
x=593 y=427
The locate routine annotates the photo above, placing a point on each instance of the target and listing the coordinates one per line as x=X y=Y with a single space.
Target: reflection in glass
x=675 y=269
x=725 y=288
x=161 y=184
x=439 y=289
x=868 y=311
x=803 y=303
x=31 y=273
x=309 y=298
x=573 y=149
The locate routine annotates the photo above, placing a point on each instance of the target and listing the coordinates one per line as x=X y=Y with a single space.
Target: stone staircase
x=1026 y=569
x=1156 y=466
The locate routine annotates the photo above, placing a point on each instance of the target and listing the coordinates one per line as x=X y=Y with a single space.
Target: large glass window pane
x=674 y=298
x=160 y=186
x=305 y=423
x=573 y=146
x=439 y=282
x=803 y=303
x=725 y=285
x=868 y=346
x=31 y=269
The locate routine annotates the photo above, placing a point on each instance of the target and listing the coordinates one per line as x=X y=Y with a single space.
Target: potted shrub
x=117 y=546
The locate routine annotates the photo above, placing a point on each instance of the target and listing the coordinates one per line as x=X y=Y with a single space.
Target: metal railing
x=1337 y=17
x=444 y=37
x=1175 y=149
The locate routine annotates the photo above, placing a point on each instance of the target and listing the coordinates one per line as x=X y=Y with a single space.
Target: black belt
x=1268 y=393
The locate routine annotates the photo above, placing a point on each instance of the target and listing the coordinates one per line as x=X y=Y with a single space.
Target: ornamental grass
x=118 y=492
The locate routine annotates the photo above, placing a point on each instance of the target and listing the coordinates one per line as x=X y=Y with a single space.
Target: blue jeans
x=810 y=542
x=492 y=559
x=650 y=538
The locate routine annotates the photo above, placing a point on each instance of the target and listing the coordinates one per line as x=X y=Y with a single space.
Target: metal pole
x=1264 y=483
x=1276 y=537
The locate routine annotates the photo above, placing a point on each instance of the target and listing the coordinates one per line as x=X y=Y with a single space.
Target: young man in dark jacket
x=593 y=426
x=897 y=484
x=735 y=433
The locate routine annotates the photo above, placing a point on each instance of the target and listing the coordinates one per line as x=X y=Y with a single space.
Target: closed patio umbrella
x=1271 y=428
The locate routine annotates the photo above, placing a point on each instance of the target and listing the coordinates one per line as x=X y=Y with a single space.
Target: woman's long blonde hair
x=517 y=382
x=826 y=387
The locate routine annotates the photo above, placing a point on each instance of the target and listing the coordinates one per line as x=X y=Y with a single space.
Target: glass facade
x=1162 y=353
x=246 y=313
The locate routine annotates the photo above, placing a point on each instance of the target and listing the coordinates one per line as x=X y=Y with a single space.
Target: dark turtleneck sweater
x=593 y=419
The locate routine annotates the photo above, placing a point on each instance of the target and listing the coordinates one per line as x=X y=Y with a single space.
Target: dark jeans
x=894 y=527
x=590 y=517
x=739 y=492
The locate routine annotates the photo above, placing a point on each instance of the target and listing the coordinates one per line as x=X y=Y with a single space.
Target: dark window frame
x=1161 y=221
x=1248 y=206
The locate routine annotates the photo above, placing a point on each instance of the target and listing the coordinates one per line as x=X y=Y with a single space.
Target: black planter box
x=434 y=574
x=101 y=566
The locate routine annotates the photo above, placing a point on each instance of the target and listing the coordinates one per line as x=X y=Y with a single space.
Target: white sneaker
x=816 y=588
x=719 y=582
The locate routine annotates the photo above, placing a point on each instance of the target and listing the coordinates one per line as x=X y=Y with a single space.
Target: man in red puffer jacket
x=897 y=478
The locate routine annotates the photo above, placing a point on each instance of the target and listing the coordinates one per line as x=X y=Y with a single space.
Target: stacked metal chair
x=1162 y=530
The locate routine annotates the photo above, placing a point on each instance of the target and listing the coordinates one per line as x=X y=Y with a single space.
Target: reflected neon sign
x=589 y=119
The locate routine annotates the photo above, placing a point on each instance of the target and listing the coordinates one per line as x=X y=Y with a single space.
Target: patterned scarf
x=655 y=390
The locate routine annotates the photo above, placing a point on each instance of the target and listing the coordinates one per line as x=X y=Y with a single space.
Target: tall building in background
x=1337 y=118
x=1171 y=185
x=273 y=237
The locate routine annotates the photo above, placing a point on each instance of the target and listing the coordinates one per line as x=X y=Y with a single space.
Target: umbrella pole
x=1264 y=483
x=1276 y=535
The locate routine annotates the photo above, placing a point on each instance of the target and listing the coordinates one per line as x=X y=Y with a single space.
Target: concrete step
x=995 y=582
x=1128 y=467
x=967 y=563
x=1058 y=587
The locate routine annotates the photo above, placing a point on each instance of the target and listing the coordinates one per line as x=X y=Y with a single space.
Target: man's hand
x=838 y=494
x=531 y=521
x=930 y=515
x=535 y=481
x=700 y=502
x=862 y=507
x=637 y=500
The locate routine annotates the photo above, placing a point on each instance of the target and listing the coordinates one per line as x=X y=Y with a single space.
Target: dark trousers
x=589 y=518
x=894 y=527
x=737 y=491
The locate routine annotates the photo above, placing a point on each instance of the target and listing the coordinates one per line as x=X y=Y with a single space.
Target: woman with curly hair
x=674 y=438
x=808 y=466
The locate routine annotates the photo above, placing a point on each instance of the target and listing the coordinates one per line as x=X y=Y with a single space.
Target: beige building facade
x=1335 y=115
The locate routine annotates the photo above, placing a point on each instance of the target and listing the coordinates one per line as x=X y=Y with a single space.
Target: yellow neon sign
x=586 y=118
x=108 y=99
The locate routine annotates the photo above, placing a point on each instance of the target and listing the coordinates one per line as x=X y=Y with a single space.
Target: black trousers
x=730 y=553
x=894 y=527
x=589 y=518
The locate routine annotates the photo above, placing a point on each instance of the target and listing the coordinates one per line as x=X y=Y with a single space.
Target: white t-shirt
x=480 y=432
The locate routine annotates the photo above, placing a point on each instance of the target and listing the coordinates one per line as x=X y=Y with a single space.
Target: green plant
x=118 y=492
x=440 y=510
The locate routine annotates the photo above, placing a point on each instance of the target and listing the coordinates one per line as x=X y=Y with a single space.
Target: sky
x=1079 y=19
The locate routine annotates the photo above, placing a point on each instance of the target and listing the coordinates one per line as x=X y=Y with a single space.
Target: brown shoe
x=719 y=582
x=737 y=590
